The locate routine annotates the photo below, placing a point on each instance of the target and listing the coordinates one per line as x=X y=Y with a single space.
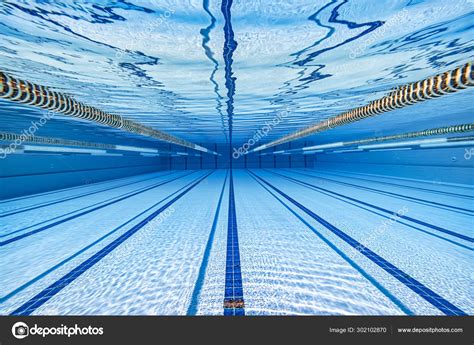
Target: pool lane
x=403 y=184
x=30 y=200
x=433 y=218
x=23 y=260
x=41 y=204
x=287 y=270
x=32 y=220
x=442 y=268
x=152 y=272
x=18 y=235
x=454 y=204
x=212 y=281
x=196 y=297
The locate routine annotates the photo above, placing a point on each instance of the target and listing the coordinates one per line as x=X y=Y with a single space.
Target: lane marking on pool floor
x=424 y=292
x=394 y=218
x=234 y=293
x=86 y=185
x=78 y=170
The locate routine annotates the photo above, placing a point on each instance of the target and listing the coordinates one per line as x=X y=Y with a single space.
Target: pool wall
x=448 y=165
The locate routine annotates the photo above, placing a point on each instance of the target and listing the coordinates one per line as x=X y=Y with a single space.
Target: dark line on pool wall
x=193 y=305
x=46 y=294
x=420 y=289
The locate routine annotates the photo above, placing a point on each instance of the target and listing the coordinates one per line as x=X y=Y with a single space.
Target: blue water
x=188 y=233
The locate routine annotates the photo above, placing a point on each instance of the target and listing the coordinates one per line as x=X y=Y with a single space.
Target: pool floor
x=241 y=242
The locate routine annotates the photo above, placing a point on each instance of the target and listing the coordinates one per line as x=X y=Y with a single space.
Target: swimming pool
x=236 y=158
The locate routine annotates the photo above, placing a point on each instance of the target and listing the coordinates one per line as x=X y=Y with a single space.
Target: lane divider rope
x=26 y=92
x=439 y=85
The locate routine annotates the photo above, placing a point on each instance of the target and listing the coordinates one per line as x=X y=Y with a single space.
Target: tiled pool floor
x=277 y=241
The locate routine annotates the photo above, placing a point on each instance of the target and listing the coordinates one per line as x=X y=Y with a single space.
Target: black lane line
x=46 y=227
x=435 y=204
x=464 y=196
x=234 y=293
x=40 y=276
x=394 y=214
x=193 y=305
x=366 y=275
x=424 y=292
x=45 y=295
x=48 y=203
